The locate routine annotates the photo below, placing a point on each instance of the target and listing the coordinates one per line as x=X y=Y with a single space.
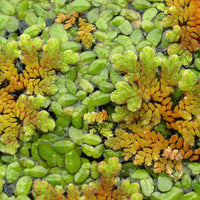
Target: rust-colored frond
x=184 y=118
x=68 y=19
x=168 y=166
x=23 y=73
x=186 y=15
x=172 y=154
x=20 y=119
x=147 y=148
x=84 y=34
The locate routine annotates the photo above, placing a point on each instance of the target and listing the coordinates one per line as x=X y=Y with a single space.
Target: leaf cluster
x=28 y=68
x=68 y=19
x=21 y=119
x=183 y=17
x=97 y=123
x=84 y=34
x=142 y=93
x=107 y=187
x=149 y=148
x=147 y=94
x=185 y=56
x=96 y=117
x=185 y=118
x=43 y=190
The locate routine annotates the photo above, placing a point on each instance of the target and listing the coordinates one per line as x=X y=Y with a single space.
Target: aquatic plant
x=24 y=72
x=43 y=190
x=97 y=123
x=84 y=34
x=106 y=188
x=185 y=55
x=67 y=18
x=146 y=94
x=183 y=17
x=150 y=148
x=41 y=73
x=156 y=101
x=20 y=120
x=96 y=117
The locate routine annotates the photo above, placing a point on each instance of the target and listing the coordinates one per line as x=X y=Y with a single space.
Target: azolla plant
x=145 y=99
x=183 y=17
x=23 y=75
x=106 y=188
x=100 y=102
x=84 y=34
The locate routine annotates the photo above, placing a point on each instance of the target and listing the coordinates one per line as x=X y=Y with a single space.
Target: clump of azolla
x=97 y=122
x=97 y=117
x=84 y=34
x=106 y=188
x=184 y=17
x=43 y=190
x=144 y=94
x=20 y=119
x=21 y=114
x=150 y=148
x=147 y=96
x=68 y=19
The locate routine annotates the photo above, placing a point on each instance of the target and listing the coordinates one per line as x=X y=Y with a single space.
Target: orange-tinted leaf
x=185 y=147
x=188 y=154
x=179 y=166
x=160 y=137
x=172 y=146
x=179 y=144
x=194 y=158
x=197 y=151
x=173 y=138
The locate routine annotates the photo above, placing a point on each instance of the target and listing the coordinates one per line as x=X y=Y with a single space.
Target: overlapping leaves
x=183 y=16
x=28 y=68
x=150 y=148
x=107 y=187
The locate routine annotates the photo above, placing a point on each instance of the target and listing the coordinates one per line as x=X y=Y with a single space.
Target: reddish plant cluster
x=148 y=147
x=68 y=19
x=84 y=34
x=184 y=17
x=27 y=79
x=107 y=188
x=151 y=97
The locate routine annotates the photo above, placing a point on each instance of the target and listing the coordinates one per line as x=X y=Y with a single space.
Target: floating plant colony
x=99 y=99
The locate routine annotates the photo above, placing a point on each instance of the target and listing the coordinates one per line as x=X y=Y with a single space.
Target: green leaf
x=186 y=57
x=69 y=57
x=170 y=69
x=52 y=47
x=120 y=113
x=134 y=103
x=188 y=80
x=123 y=92
x=174 y=49
x=174 y=35
x=57 y=31
x=126 y=63
x=147 y=186
x=148 y=60
x=109 y=169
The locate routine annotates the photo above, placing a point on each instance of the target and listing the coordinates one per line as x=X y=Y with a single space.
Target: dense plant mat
x=99 y=100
